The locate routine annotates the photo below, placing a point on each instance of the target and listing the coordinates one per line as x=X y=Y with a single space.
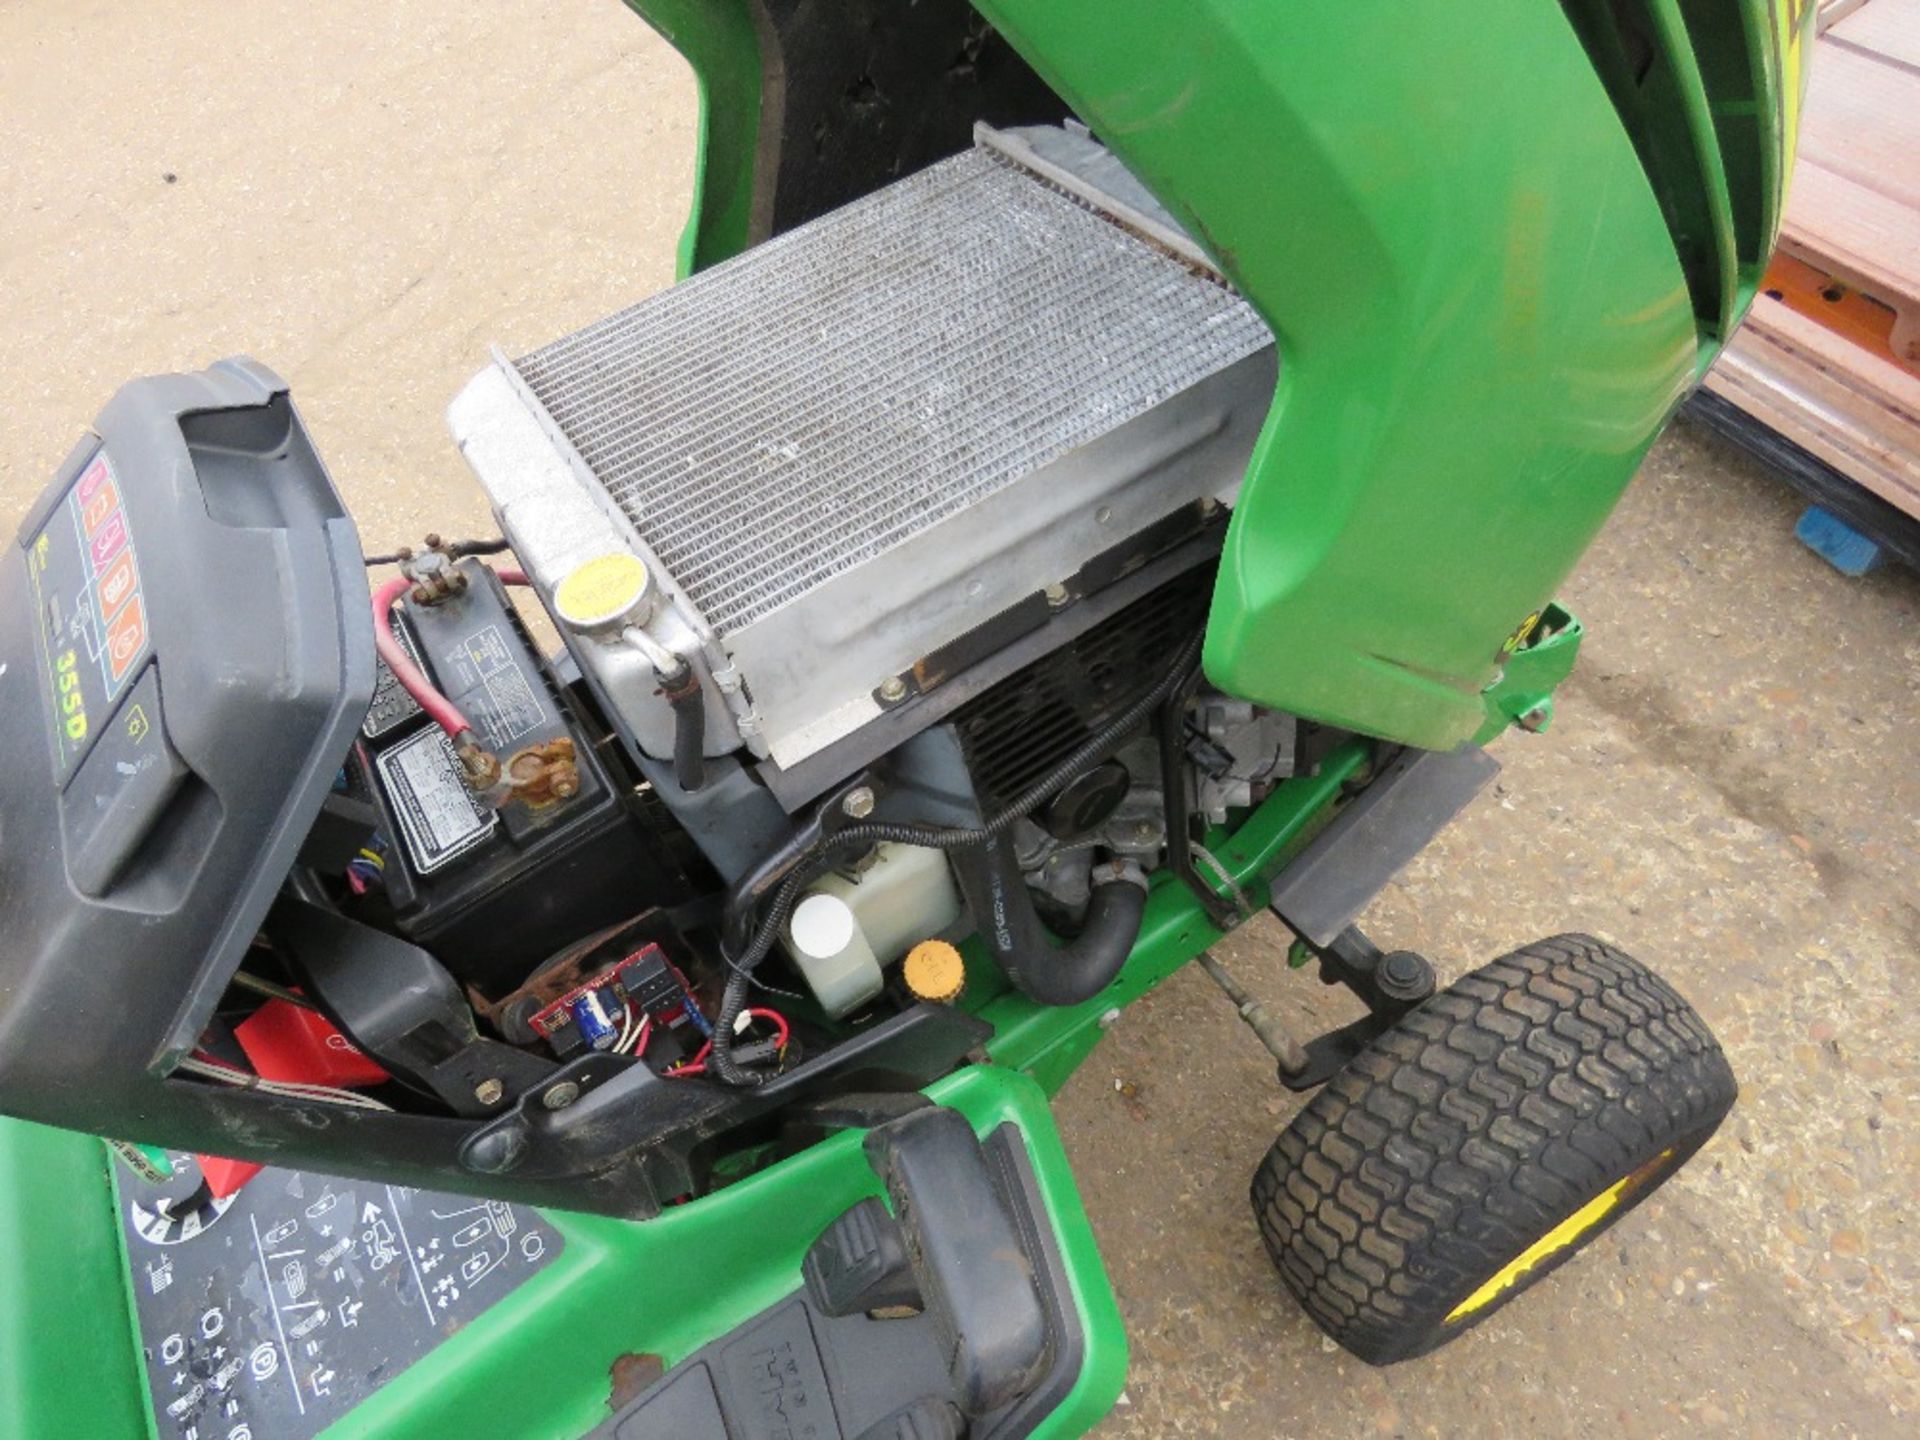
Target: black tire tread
x=1471 y=1128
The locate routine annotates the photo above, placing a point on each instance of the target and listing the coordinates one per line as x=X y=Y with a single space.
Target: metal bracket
x=1171 y=725
x=1413 y=798
x=1389 y=983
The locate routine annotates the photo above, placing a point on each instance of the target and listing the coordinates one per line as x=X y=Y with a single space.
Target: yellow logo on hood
x=1793 y=19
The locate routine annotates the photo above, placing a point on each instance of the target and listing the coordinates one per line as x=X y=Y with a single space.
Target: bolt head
x=1405 y=974
x=489 y=1092
x=893 y=688
x=1403 y=966
x=559 y=1097
x=858 y=803
x=1057 y=595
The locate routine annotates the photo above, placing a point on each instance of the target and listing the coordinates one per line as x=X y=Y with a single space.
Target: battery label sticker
x=439 y=818
x=493 y=688
x=94 y=631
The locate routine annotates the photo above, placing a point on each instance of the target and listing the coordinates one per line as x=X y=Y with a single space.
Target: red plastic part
x=225 y=1177
x=290 y=1042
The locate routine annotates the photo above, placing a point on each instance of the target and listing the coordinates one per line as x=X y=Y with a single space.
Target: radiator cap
x=609 y=592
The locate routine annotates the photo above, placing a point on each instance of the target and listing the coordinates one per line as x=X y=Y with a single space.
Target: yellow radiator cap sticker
x=934 y=971
x=607 y=591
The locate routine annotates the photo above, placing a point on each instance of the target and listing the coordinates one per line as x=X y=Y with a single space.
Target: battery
x=489 y=892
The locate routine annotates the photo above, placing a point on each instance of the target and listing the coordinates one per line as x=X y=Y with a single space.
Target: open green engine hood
x=1497 y=250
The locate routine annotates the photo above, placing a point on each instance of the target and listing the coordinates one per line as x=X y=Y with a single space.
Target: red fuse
x=289 y=1042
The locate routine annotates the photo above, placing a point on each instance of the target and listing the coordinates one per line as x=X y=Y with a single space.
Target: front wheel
x=1475 y=1146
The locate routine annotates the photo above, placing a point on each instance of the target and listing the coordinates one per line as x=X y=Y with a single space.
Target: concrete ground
x=366 y=195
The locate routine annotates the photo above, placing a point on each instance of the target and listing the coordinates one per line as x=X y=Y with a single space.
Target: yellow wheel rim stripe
x=1563 y=1236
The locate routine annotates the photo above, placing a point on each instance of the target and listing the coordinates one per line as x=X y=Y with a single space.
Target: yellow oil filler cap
x=934 y=971
x=609 y=592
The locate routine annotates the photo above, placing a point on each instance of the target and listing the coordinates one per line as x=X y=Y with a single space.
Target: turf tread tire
x=1473 y=1127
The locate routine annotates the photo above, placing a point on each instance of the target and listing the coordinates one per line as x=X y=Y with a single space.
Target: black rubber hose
x=689 y=729
x=996 y=892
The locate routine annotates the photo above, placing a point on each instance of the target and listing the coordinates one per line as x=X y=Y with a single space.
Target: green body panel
x=718 y=39
x=1482 y=316
x=1724 y=303
x=1524 y=693
x=1481 y=319
x=537 y=1365
x=69 y=1362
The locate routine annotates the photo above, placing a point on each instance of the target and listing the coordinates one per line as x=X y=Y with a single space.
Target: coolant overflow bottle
x=826 y=942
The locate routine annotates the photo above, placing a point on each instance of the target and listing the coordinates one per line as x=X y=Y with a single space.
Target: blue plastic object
x=1837 y=542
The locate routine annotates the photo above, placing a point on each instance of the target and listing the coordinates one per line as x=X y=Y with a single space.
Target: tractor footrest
x=800 y=1368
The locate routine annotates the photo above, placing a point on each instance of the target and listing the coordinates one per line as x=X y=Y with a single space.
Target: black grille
x=1024 y=726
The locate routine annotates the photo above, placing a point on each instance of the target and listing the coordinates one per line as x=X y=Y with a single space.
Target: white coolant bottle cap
x=822 y=926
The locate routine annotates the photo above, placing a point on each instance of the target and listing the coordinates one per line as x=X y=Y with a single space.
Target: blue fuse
x=594 y=1022
x=700 y=1021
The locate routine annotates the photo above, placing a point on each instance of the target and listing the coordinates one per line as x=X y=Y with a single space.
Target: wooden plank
x=1861 y=406
x=1854 y=207
x=1862 y=120
x=1757 y=386
x=1893 y=391
x=1832 y=12
x=1863 y=237
x=1888 y=28
x=1867 y=230
x=1853 y=410
x=1853 y=213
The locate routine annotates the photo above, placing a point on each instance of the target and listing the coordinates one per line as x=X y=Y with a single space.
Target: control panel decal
x=93 y=620
x=276 y=1313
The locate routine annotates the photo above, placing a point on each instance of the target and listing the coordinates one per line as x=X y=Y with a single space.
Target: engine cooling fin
x=1021 y=728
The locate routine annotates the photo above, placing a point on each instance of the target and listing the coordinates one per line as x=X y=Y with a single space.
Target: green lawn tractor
x=1104 y=473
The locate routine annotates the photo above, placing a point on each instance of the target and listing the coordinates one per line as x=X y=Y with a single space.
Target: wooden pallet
x=1858 y=412
x=1830 y=355
x=1854 y=207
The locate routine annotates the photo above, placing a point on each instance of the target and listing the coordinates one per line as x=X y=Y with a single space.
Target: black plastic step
x=798 y=1369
